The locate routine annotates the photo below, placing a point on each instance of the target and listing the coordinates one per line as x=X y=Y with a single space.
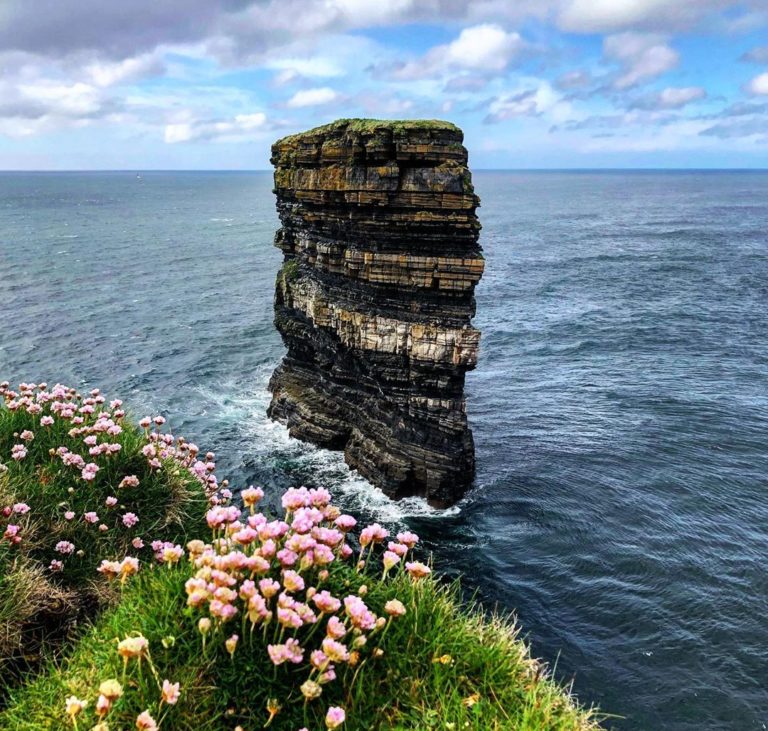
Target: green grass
x=372 y=126
x=38 y=606
x=444 y=667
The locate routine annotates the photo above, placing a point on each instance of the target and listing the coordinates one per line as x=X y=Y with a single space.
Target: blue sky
x=210 y=84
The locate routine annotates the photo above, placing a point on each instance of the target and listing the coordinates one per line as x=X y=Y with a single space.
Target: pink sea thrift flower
x=20 y=508
x=410 y=539
x=251 y=496
x=145 y=722
x=65 y=547
x=18 y=452
x=373 y=533
x=111 y=501
x=170 y=692
x=89 y=472
x=56 y=565
x=129 y=481
x=69 y=515
x=417 y=569
x=27 y=435
x=130 y=519
x=326 y=603
x=137 y=543
x=145 y=422
x=334 y=717
x=91 y=517
x=46 y=421
x=345 y=523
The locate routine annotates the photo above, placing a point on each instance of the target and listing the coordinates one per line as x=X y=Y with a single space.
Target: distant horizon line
x=476 y=170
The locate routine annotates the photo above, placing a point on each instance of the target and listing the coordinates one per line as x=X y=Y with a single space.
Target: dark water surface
x=620 y=406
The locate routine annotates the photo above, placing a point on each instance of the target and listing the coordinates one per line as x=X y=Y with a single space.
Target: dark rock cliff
x=375 y=297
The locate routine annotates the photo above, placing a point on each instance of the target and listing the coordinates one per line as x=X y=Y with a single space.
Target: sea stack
x=375 y=298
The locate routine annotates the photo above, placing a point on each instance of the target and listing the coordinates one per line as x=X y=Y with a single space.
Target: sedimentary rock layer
x=375 y=298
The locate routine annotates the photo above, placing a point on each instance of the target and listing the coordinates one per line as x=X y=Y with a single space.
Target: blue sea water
x=620 y=405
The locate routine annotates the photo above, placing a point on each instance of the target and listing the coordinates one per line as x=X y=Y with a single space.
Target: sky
x=210 y=84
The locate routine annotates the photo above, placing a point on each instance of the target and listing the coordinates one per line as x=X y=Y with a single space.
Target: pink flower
x=65 y=547
x=390 y=559
x=326 y=602
x=170 y=692
x=345 y=523
x=145 y=722
x=251 y=495
x=417 y=569
x=18 y=452
x=111 y=501
x=56 y=565
x=27 y=435
x=137 y=543
x=89 y=472
x=20 y=508
x=46 y=421
x=335 y=628
x=335 y=651
x=69 y=515
x=410 y=539
x=159 y=421
x=292 y=581
x=399 y=548
x=90 y=441
x=334 y=717
x=130 y=519
x=91 y=517
x=373 y=533
x=295 y=498
x=268 y=587
x=129 y=481
x=358 y=613
x=145 y=422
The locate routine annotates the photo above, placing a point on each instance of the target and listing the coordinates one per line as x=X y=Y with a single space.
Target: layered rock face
x=375 y=297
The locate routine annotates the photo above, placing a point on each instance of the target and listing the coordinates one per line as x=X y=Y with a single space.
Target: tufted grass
x=445 y=666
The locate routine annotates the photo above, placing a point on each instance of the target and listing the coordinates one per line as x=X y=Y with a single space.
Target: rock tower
x=375 y=297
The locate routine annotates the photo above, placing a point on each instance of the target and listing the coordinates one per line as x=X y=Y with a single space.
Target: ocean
x=619 y=407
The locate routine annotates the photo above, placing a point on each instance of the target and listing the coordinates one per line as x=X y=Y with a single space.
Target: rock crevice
x=375 y=298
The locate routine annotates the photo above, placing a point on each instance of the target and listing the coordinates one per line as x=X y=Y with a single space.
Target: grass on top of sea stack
x=80 y=484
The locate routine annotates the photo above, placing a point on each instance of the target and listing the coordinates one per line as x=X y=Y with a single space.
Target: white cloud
x=109 y=73
x=485 y=48
x=670 y=98
x=528 y=103
x=759 y=85
x=240 y=127
x=312 y=97
x=642 y=57
x=608 y=16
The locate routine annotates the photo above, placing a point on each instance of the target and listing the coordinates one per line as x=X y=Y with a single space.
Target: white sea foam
x=269 y=440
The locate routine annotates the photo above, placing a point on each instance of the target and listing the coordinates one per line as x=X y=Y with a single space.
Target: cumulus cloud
x=642 y=57
x=483 y=49
x=759 y=85
x=239 y=127
x=669 y=98
x=313 y=97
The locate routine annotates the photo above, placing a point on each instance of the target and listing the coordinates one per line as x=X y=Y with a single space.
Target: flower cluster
x=82 y=456
x=267 y=574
